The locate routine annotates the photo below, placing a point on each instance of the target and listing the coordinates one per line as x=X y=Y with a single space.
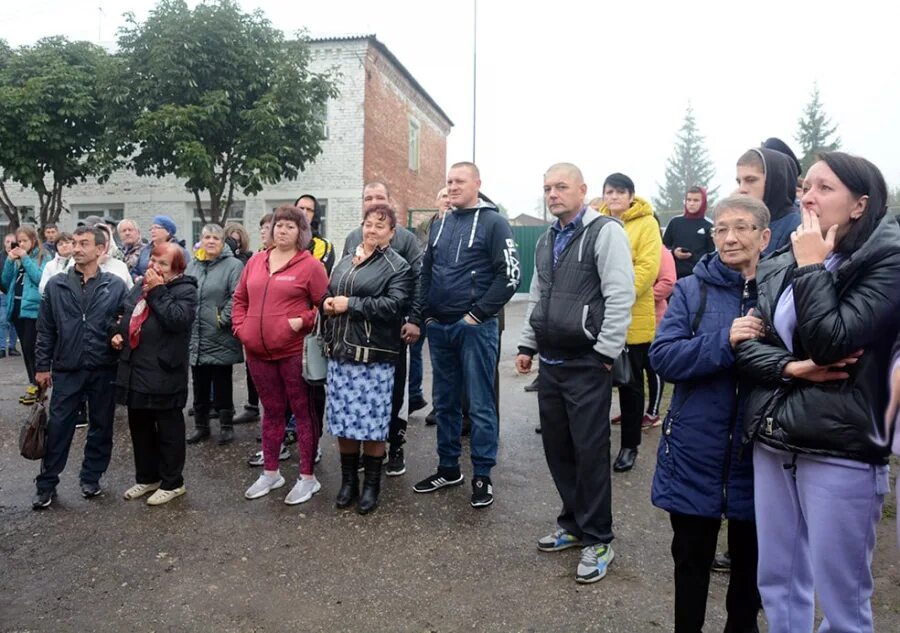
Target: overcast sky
x=603 y=85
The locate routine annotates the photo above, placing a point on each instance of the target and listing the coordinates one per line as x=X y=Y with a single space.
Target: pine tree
x=688 y=166
x=815 y=131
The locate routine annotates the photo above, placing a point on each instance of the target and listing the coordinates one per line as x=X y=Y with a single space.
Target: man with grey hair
x=579 y=310
x=132 y=244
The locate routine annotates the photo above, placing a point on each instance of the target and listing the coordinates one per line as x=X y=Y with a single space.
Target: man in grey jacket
x=578 y=314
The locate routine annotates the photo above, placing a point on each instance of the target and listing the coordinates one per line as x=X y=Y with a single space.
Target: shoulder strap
x=695 y=323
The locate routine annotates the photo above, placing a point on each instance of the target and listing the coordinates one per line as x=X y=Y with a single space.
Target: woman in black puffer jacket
x=153 y=370
x=367 y=296
x=828 y=305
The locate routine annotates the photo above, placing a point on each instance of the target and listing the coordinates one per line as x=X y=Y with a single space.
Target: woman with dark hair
x=214 y=349
x=815 y=410
x=642 y=229
x=274 y=308
x=367 y=297
x=153 y=335
x=22 y=273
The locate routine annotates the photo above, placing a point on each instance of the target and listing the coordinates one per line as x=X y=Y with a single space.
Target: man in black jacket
x=469 y=271
x=407 y=246
x=77 y=314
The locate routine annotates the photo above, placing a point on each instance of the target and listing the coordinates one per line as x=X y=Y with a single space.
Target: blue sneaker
x=595 y=560
x=558 y=541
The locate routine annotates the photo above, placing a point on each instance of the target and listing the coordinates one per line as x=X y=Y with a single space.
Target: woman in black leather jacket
x=367 y=296
x=828 y=305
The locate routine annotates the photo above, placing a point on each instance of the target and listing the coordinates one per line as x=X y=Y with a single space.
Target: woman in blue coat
x=701 y=473
x=22 y=273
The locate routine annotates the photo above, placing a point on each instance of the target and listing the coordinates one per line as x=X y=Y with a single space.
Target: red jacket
x=263 y=303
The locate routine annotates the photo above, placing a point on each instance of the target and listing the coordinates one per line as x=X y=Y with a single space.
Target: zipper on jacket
x=726 y=465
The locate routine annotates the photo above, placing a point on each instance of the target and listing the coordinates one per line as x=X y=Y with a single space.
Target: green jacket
x=212 y=342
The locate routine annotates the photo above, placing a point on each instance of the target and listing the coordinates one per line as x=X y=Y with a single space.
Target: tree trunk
x=9 y=209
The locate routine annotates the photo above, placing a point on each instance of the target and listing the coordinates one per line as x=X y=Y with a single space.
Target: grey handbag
x=315 y=365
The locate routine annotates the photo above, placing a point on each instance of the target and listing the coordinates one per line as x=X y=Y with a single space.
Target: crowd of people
x=769 y=316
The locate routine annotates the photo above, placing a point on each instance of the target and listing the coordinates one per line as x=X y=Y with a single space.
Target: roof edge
x=384 y=50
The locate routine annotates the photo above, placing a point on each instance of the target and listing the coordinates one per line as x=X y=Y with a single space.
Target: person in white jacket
x=60 y=263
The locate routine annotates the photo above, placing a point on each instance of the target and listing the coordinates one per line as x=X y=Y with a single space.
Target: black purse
x=622 y=374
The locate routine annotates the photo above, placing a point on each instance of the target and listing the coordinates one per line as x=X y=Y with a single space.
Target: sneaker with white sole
x=440 y=479
x=160 y=497
x=139 y=490
x=558 y=541
x=302 y=491
x=264 y=485
x=257 y=458
x=482 y=492
x=594 y=563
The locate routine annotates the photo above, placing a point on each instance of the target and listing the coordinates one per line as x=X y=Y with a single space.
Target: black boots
x=226 y=430
x=625 y=460
x=201 y=428
x=368 y=500
x=248 y=415
x=349 y=480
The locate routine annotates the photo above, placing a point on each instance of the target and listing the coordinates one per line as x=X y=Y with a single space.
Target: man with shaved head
x=579 y=310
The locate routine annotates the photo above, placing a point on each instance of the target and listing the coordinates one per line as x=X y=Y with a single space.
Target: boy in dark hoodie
x=689 y=236
x=771 y=176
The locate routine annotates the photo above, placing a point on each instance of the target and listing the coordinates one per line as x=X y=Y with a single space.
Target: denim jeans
x=7 y=331
x=463 y=357
x=70 y=389
x=416 y=368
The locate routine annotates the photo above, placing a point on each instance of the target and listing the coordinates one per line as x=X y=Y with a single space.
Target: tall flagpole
x=474 y=71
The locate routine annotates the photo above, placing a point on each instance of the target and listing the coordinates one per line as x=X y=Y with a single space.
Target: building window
x=113 y=212
x=320 y=112
x=413 y=144
x=236 y=215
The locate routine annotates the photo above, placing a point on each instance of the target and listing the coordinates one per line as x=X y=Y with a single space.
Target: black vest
x=567 y=318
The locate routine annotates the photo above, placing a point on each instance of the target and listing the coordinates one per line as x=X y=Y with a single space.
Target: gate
x=526 y=239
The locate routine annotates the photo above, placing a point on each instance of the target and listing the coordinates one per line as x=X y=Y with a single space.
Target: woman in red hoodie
x=274 y=308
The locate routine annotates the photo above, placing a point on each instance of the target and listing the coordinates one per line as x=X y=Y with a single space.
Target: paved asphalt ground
x=213 y=561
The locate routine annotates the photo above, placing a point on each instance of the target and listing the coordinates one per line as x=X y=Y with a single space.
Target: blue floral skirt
x=358 y=403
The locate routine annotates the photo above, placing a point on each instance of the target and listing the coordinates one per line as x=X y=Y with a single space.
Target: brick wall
x=390 y=103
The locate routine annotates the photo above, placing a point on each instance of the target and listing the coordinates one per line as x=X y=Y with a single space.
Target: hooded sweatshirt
x=693 y=233
x=264 y=302
x=646 y=245
x=780 y=197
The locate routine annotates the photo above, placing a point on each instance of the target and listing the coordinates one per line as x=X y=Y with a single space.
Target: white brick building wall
x=336 y=176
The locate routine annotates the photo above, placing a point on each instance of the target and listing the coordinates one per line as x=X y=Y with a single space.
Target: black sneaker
x=396 y=465
x=42 y=499
x=441 y=479
x=482 y=492
x=90 y=489
x=532 y=386
x=417 y=403
x=431 y=419
x=13 y=352
x=722 y=563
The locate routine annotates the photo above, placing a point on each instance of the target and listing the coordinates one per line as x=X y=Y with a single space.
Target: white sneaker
x=318 y=453
x=264 y=485
x=139 y=490
x=165 y=496
x=302 y=491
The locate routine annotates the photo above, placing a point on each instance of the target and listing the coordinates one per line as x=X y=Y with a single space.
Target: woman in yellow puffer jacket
x=642 y=229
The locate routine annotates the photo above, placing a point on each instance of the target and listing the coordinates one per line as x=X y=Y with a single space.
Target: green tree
x=50 y=121
x=219 y=98
x=894 y=199
x=815 y=132
x=688 y=166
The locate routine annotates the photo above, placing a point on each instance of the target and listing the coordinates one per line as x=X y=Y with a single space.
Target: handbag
x=315 y=365
x=622 y=374
x=33 y=434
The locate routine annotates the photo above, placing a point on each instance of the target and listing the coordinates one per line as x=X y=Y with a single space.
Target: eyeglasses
x=740 y=230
